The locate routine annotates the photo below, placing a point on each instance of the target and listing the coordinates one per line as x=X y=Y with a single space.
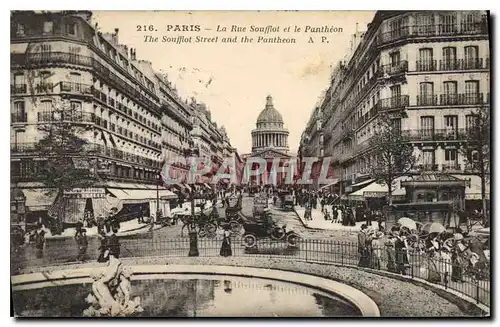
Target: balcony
x=396 y=68
x=478 y=27
x=66 y=116
x=74 y=87
x=22 y=147
x=35 y=59
x=426 y=66
x=44 y=88
x=462 y=99
x=20 y=117
x=464 y=64
x=434 y=134
x=427 y=100
x=397 y=102
x=18 y=89
x=427 y=167
x=451 y=166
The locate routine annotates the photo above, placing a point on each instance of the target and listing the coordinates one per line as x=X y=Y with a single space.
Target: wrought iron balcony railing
x=461 y=99
x=37 y=59
x=456 y=134
x=427 y=100
x=18 y=88
x=451 y=166
x=426 y=65
x=477 y=27
x=396 y=68
x=20 y=117
x=67 y=116
x=74 y=87
x=397 y=102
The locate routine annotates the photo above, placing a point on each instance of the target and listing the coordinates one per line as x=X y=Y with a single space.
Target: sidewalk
x=318 y=221
x=130 y=227
x=126 y=228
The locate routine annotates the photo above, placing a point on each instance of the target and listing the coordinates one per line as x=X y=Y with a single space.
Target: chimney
x=115 y=36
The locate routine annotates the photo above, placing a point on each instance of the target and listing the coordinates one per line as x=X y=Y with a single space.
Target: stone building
x=64 y=70
x=430 y=70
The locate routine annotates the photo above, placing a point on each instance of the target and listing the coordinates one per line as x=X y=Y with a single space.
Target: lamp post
x=192 y=226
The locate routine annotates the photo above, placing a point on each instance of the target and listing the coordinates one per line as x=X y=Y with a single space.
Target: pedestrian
x=363 y=240
x=376 y=249
x=82 y=242
x=39 y=242
x=103 y=247
x=390 y=252
x=114 y=242
x=307 y=214
x=457 y=262
x=401 y=249
x=368 y=217
x=380 y=219
x=225 y=250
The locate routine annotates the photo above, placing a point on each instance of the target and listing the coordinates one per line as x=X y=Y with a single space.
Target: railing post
x=342 y=253
x=307 y=242
x=477 y=290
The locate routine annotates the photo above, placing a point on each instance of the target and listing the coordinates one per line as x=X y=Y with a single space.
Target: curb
x=80 y=270
x=357 y=298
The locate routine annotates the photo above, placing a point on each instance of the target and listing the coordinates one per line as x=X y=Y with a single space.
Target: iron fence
x=474 y=283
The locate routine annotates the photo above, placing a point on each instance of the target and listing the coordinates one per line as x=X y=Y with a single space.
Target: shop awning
x=473 y=191
x=39 y=199
x=141 y=196
x=376 y=190
x=368 y=181
x=331 y=184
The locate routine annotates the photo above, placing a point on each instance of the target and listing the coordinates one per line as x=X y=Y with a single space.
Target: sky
x=233 y=79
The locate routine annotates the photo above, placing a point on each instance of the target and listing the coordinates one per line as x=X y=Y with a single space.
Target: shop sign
x=86 y=193
x=373 y=194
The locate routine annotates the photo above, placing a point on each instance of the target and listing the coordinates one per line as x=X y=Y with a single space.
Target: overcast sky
x=234 y=79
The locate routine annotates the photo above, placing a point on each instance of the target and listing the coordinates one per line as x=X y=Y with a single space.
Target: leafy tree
x=476 y=151
x=66 y=152
x=394 y=155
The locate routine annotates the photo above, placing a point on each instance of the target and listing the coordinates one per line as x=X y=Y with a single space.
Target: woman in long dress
x=402 y=262
x=225 y=249
x=433 y=259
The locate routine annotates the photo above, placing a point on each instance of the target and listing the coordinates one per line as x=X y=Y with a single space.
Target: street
x=64 y=250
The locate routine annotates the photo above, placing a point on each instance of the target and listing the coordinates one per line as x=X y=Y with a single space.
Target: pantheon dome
x=270 y=133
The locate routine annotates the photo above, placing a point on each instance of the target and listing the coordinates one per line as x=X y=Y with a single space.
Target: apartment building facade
x=64 y=69
x=429 y=70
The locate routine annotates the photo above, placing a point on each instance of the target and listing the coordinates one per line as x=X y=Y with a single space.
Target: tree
x=476 y=151
x=66 y=152
x=394 y=155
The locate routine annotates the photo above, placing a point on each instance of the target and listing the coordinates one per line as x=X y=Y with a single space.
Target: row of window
x=450 y=88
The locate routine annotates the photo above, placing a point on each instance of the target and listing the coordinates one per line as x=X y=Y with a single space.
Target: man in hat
x=82 y=242
x=363 y=240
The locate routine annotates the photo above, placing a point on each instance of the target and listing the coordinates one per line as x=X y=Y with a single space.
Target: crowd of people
x=431 y=256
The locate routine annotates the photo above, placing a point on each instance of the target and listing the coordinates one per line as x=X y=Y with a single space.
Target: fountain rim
x=355 y=297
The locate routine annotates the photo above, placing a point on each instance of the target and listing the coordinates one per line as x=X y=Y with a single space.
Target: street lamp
x=192 y=227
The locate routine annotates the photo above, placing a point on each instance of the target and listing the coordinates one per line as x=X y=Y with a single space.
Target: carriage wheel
x=277 y=233
x=202 y=232
x=210 y=228
x=234 y=226
x=249 y=240
x=292 y=240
